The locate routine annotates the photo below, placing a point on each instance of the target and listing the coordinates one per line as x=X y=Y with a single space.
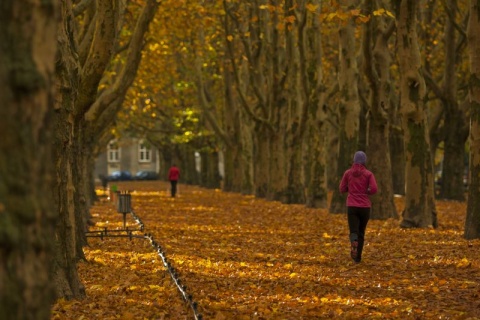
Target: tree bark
x=315 y=167
x=349 y=106
x=66 y=280
x=472 y=222
x=210 y=177
x=27 y=219
x=420 y=209
x=314 y=95
x=397 y=156
x=186 y=157
x=377 y=66
x=454 y=154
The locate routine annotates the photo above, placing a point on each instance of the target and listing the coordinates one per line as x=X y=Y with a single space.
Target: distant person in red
x=173 y=176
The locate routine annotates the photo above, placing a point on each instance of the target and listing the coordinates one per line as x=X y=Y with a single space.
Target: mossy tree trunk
x=313 y=93
x=377 y=70
x=349 y=105
x=419 y=209
x=27 y=217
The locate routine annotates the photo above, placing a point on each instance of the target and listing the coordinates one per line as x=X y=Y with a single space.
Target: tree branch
x=126 y=77
x=80 y=7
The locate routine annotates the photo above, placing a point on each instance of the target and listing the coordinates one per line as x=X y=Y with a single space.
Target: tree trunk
x=79 y=76
x=66 y=280
x=454 y=164
x=233 y=174
x=397 y=156
x=314 y=142
x=377 y=68
x=315 y=168
x=419 y=201
x=232 y=156
x=277 y=165
x=349 y=106
x=186 y=156
x=27 y=218
x=261 y=163
x=305 y=64
x=454 y=144
x=80 y=176
x=238 y=156
x=209 y=172
x=472 y=222
x=246 y=163
x=383 y=206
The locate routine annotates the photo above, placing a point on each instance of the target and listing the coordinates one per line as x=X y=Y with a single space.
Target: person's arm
x=372 y=185
x=344 y=183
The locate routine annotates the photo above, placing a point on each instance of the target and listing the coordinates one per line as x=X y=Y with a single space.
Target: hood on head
x=360 y=157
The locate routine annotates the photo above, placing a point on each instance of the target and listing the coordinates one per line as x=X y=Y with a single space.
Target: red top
x=359 y=183
x=173 y=174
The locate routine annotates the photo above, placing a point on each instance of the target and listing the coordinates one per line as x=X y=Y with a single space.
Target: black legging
x=173 y=189
x=357 y=222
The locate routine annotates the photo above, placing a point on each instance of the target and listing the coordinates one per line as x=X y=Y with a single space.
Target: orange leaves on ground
x=247 y=258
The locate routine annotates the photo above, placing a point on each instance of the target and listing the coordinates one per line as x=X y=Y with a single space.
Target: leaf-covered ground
x=246 y=258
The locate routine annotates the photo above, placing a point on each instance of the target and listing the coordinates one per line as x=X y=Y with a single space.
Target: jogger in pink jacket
x=360 y=183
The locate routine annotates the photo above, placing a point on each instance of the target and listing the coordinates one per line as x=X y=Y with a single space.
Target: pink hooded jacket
x=359 y=183
x=173 y=173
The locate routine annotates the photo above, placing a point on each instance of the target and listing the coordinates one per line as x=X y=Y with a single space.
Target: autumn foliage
x=246 y=258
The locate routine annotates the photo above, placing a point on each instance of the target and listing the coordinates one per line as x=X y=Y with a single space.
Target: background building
x=127 y=154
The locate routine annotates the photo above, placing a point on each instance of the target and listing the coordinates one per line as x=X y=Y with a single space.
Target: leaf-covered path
x=247 y=258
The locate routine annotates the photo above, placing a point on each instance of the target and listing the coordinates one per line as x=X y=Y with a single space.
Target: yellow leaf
x=463 y=263
x=382 y=11
x=363 y=19
x=330 y=16
x=311 y=7
x=391 y=15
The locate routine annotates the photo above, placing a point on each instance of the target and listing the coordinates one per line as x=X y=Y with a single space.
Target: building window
x=144 y=153
x=113 y=152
